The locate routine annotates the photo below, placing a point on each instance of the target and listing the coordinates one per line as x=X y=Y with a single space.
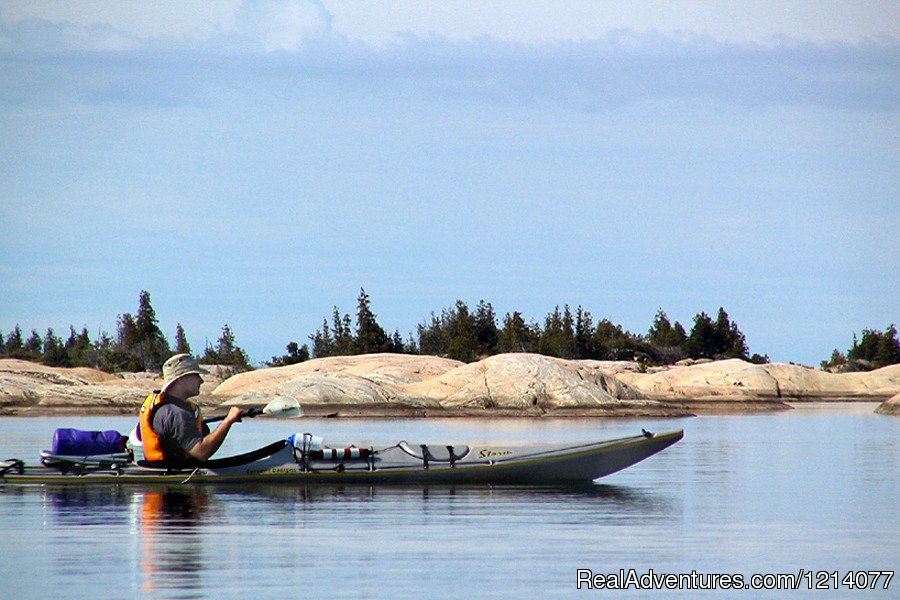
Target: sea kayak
x=304 y=459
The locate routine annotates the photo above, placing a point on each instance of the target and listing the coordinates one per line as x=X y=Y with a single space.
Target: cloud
x=36 y=36
x=283 y=25
x=624 y=69
x=292 y=44
x=259 y=25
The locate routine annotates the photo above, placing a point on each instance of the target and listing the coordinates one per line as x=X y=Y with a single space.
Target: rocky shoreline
x=506 y=385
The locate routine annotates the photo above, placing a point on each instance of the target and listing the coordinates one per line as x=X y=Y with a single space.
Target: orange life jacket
x=149 y=438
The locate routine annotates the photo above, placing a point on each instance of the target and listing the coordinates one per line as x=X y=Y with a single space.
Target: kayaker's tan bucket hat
x=178 y=366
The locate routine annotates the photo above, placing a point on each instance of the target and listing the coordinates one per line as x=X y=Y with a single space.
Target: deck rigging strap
x=12 y=464
x=427 y=456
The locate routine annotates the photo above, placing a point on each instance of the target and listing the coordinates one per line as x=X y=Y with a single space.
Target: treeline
x=139 y=345
x=876 y=349
x=458 y=332
x=467 y=335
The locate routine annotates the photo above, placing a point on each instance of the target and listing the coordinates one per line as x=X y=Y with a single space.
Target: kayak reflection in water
x=171 y=427
x=171 y=545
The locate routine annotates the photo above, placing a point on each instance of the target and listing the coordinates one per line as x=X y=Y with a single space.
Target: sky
x=257 y=163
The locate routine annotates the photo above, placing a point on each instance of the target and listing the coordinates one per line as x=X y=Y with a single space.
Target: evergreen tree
x=226 y=352
x=33 y=346
x=344 y=342
x=558 y=336
x=875 y=349
x=584 y=330
x=181 y=343
x=611 y=342
x=14 y=347
x=152 y=349
x=54 y=353
x=370 y=337
x=718 y=339
x=104 y=348
x=486 y=331
x=397 y=344
x=888 y=351
x=295 y=354
x=127 y=335
x=322 y=340
x=731 y=342
x=126 y=347
x=460 y=325
x=432 y=337
x=411 y=347
x=516 y=335
x=140 y=344
x=665 y=335
x=80 y=351
x=702 y=341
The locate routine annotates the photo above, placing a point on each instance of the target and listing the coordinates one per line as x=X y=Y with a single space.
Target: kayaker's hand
x=234 y=415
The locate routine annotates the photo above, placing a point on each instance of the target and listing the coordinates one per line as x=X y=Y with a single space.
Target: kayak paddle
x=282 y=406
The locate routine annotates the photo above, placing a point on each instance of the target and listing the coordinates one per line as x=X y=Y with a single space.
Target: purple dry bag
x=72 y=442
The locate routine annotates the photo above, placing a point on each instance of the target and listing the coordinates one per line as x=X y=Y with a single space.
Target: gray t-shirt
x=176 y=425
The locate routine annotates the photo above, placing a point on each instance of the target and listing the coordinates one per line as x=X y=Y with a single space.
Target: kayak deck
x=285 y=462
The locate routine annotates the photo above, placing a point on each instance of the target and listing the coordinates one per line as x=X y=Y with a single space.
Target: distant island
x=463 y=363
x=512 y=384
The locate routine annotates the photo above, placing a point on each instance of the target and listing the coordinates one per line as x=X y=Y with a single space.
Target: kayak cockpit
x=219 y=463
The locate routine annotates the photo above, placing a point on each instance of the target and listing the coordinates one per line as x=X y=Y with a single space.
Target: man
x=171 y=427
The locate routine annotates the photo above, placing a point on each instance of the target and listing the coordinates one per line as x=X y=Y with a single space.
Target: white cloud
x=98 y=25
x=539 y=21
x=283 y=24
x=197 y=19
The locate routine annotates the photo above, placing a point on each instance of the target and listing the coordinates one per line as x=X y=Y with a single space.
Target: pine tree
x=516 y=336
x=323 y=342
x=611 y=342
x=875 y=349
x=181 y=343
x=370 y=337
x=397 y=345
x=662 y=333
x=227 y=352
x=667 y=340
x=14 y=347
x=152 y=348
x=730 y=342
x=558 y=336
x=584 y=330
x=295 y=354
x=703 y=340
x=80 y=351
x=432 y=337
x=888 y=350
x=104 y=348
x=344 y=342
x=33 y=346
x=460 y=326
x=486 y=331
x=54 y=353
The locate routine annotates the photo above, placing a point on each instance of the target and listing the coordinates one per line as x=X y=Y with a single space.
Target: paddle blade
x=283 y=406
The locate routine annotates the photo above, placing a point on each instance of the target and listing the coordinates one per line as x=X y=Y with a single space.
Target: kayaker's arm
x=206 y=447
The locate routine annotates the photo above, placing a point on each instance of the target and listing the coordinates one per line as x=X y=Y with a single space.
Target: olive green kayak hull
x=402 y=463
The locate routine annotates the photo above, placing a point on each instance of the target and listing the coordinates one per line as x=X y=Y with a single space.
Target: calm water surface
x=816 y=488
